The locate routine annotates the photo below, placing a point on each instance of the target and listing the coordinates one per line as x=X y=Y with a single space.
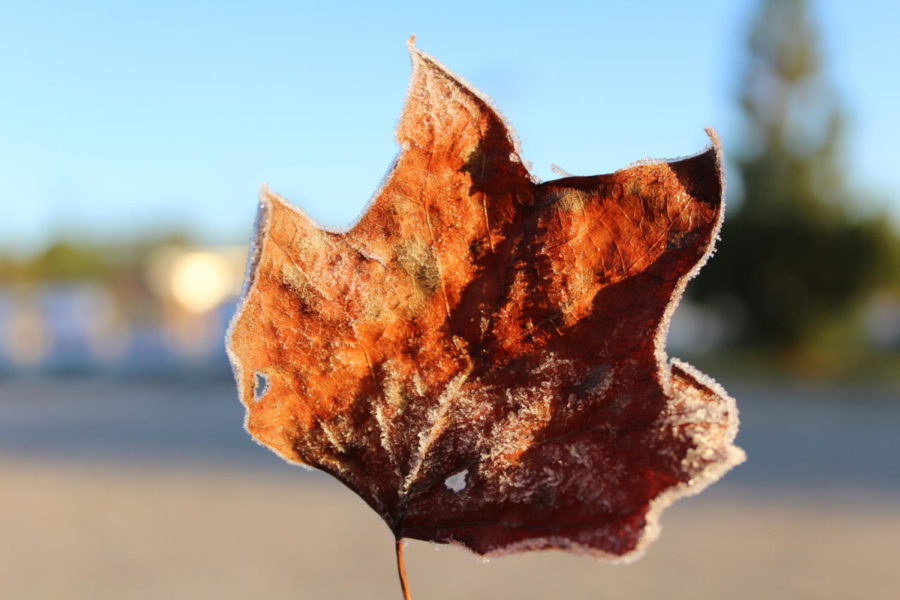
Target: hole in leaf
x=457 y=482
x=260 y=385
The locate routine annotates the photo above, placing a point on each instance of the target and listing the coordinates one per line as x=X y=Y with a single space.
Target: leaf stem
x=401 y=569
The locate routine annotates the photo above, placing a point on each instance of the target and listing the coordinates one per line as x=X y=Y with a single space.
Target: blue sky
x=118 y=119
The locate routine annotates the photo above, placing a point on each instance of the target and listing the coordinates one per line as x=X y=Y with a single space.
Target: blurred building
x=173 y=319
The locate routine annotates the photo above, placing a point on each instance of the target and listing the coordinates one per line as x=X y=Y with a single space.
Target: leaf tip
x=716 y=148
x=715 y=145
x=266 y=195
x=268 y=200
x=420 y=58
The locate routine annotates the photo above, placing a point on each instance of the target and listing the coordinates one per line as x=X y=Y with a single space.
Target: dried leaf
x=481 y=356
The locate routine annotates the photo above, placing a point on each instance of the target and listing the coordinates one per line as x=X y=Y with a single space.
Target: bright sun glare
x=200 y=281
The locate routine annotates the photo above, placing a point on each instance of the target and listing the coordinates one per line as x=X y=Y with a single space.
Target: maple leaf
x=481 y=356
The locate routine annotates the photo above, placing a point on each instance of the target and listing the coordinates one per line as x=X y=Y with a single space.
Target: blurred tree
x=67 y=261
x=793 y=257
x=8 y=269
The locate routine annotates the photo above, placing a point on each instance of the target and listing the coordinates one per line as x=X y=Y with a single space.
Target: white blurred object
x=696 y=329
x=28 y=340
x=881 y=320
x=67 y=324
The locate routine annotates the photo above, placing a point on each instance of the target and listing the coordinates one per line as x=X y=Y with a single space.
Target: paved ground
x=115 y=490
x=83 y=532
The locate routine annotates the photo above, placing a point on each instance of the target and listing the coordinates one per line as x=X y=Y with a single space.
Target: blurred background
x=133 y=139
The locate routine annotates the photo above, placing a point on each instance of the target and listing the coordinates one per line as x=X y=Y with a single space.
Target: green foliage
x=65 y=261
x=83 y=260
x=792 y=254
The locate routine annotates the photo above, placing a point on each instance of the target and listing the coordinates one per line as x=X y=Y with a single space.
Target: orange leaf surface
x=481 y=357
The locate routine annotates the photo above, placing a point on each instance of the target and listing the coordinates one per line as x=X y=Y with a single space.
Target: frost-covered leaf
x=481 y=356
